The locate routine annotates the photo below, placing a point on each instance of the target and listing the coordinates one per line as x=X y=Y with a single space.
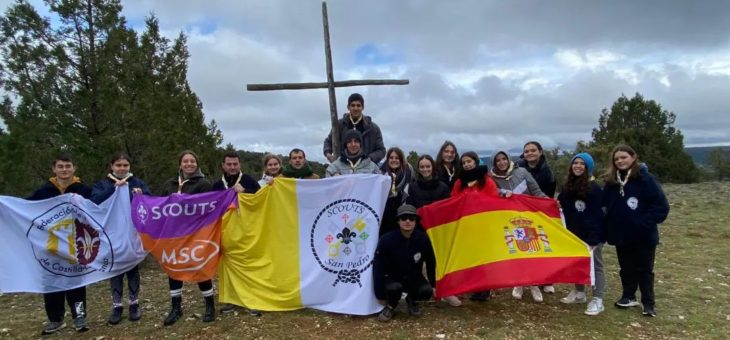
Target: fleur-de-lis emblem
x=346 y=235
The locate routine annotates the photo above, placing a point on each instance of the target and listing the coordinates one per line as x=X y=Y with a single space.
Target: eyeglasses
x=407 y=218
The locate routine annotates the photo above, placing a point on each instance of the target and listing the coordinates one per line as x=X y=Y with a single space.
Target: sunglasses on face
x=407 y=218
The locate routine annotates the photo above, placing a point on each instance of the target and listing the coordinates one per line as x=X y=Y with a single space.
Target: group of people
x=625 y=213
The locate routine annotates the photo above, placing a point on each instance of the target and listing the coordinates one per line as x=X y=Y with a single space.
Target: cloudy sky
x=484 y=74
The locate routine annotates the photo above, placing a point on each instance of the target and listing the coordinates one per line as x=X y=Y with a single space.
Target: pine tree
x=649 y=129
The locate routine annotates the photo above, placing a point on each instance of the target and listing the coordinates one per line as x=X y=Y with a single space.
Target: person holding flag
x=64 y=181
x=120 y=175
x=190 y=180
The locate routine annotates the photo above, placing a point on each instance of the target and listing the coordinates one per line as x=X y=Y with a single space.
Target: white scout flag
x=65 y=242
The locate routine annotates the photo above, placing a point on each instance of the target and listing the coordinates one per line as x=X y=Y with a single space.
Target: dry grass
x=692 y=288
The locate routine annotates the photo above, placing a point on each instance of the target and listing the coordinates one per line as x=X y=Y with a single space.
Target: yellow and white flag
x=304 y=243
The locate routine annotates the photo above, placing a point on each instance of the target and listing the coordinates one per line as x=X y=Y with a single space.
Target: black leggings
x=55 y=309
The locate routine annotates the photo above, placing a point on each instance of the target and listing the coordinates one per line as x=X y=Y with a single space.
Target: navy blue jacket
x=401 y=259
x=104 y=188
x=424 y=192
x=250 y=185
x=49 y=190
x=632 y=219
x=542 y=175
x=584 y=218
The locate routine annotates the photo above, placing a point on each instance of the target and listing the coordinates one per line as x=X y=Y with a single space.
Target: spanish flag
x=304 y=244
x=486 y=242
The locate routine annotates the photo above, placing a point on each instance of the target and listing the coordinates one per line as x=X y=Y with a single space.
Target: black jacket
x=632 y=219
x=250 y=185
x=105 y=188
x=195 y=185
x=372 y=139
x=584 y=218
x=401 y=259
x=49 y=190
x=542 y=175
x=426 y=192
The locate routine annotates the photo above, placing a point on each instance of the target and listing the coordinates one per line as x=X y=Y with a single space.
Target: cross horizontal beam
x=324 y=85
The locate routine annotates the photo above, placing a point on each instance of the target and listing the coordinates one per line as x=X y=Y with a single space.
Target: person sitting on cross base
x=233 y=177
x=372 y=139
x=353 y=160
x=298 y=166
x=398 y=265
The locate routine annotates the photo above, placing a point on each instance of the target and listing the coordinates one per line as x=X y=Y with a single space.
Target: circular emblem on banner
x=67 y=241
x=339 y=239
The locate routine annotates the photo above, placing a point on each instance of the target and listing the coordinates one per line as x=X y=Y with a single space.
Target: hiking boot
x=550 y=289
x=595 y=307
x=116 y=316
x=536 y=295
x=80 y=324
x=134 y=312
x=480 y=296
x=228 y=308
x=209 y=315
x=413 y=308
x=452 y=301
x=517 y=293
x=626 y=303
x=53 y=327
x=574 y=297
x=386 y=314
x=175 y=312
x=649 y=311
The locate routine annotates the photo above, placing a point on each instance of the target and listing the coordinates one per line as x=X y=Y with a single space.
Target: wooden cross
x=329 y=85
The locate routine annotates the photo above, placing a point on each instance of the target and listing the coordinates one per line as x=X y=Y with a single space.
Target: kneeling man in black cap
x=398 y=265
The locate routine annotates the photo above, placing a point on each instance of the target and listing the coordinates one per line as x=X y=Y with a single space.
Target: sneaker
x=413 y=308
x=134 y=313
x=53 y=327
x=574 y=297
x=386 y=314
x=80 y=324
x=517 y=293
x=595 y=307
x=626 y=303
x=649 y=311
x=550 y=289
x=228 y=308
x=452 y=301
x=536 y=295
x=116 y=316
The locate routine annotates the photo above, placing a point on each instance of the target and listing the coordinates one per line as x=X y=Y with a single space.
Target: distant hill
x=699 y=154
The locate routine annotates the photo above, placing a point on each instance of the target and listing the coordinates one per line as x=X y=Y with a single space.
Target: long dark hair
x=479 y=173
x=577 y=186
x=439 y=168
x=610 y=175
